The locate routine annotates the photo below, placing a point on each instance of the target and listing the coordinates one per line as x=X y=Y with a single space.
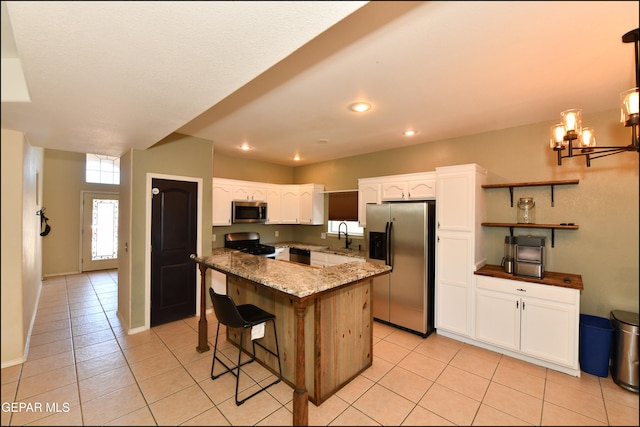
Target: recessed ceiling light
x=296 y=158
x=245 y=147
x=360 y=107
x=410 y=132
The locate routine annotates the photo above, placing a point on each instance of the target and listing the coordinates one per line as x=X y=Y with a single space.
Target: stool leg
x=238 y=403
x=215 y=349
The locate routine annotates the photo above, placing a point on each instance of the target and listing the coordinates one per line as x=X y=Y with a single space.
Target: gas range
x=248 y=243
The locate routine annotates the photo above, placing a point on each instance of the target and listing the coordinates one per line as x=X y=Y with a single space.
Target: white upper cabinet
x=393 y=190
x=222 y=196
x=249 y=193
x=368 y=192
x=286 y=204
x=404 y=187
x=422 y=189
x=290 y=202
x=414 y=186
x=274 y=205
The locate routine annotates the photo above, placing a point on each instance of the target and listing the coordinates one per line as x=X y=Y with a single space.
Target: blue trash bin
x=596 y=335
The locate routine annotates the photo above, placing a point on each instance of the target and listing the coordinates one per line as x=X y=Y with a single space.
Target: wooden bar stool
x=244 y=316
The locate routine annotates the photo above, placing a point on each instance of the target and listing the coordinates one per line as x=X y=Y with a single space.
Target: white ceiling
x=105 y=77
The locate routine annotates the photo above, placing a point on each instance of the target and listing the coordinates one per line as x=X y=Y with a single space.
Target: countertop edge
x=551 y=278
x=320 y=248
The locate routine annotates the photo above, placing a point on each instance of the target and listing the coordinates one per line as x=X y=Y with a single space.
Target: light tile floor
x=82 y=369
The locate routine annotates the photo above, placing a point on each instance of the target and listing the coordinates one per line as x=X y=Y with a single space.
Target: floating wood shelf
x=553 y=227
x=552 y=184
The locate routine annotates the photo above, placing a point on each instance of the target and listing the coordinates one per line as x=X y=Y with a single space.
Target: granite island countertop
x=291 y=278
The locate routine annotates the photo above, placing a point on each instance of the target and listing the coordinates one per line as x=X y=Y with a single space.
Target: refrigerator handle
x=390 y=244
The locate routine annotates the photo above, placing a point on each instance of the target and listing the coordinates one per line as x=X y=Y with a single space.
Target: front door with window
x=99 y=231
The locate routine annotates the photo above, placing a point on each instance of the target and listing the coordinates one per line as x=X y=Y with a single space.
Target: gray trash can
x=624 y=352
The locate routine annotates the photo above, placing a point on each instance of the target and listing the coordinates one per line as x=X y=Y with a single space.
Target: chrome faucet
x=347 y=242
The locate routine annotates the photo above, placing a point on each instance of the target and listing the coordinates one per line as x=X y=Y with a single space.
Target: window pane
x=93 y=163
x=102 y=169
x=93 y=176
x=106 y=165
x=104 y=229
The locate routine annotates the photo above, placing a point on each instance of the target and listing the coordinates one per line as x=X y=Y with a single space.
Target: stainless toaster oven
x=530 y=256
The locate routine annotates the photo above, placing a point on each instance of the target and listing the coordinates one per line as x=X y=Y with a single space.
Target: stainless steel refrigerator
x=402 y=235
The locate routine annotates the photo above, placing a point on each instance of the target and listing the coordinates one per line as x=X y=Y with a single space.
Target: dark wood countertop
x=550 y=277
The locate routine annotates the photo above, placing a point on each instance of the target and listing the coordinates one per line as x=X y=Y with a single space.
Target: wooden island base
x=337 y=334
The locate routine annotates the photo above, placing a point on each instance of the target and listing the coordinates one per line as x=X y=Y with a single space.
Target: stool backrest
x=226 y=310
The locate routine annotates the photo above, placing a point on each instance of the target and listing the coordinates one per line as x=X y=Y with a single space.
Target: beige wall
x=604 y=204
x=21 y=281
x=124 y=239
x=175 y=156
x=64 y=182
x=225 y=166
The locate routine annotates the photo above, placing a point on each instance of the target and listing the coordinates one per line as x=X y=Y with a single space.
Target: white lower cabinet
x=218 y=282
x=454 y=292
x=323 y=259
x=282 y=254
x=540 y=321
x=318 y=259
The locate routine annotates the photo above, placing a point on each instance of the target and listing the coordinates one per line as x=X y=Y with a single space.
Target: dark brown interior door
x=173 y=240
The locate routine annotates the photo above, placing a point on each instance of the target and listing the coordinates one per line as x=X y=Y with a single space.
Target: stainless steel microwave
x=243 y=212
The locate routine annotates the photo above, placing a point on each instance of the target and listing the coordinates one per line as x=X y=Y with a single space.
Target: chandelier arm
x=600 y=153
x=605 y=153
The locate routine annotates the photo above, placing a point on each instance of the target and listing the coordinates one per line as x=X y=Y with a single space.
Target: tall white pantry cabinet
x=460 y=211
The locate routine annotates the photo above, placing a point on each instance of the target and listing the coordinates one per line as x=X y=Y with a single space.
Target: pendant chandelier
x=581 y=141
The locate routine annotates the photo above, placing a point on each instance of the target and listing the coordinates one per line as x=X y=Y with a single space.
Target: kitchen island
x=323 y=318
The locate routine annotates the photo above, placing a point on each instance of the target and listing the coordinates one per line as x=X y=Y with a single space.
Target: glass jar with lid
x=526 y=210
